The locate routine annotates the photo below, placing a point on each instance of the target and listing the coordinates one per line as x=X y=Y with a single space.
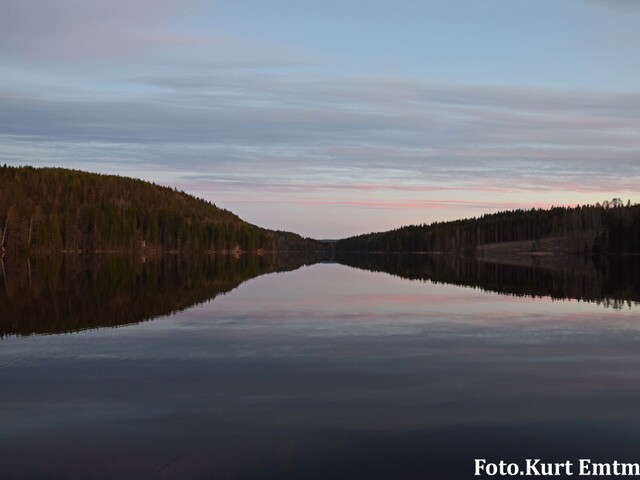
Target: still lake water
x=325 y=371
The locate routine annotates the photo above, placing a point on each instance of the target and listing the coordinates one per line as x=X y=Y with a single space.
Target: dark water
x=313 y=371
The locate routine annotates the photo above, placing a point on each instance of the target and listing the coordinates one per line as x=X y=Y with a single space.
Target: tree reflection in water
x=66 y=293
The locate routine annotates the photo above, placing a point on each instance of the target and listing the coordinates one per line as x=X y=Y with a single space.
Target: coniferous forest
x=57 y=210
x=608 y=228
x=60 y=210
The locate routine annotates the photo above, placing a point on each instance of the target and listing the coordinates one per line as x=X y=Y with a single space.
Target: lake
x=295 y=368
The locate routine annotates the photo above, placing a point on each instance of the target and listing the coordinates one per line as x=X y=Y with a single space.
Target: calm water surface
x=322 y=372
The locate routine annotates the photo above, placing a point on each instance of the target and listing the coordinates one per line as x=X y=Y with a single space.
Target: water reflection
x=325 y=372
x=56 y=294
x=611 y=281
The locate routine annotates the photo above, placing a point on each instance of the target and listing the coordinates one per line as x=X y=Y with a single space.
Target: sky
x=332 y=118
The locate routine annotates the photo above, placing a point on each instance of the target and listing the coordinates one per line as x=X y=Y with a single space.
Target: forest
x=602 y=229
x=61 y=210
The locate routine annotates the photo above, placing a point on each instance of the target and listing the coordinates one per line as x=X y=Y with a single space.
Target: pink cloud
x=413 y=204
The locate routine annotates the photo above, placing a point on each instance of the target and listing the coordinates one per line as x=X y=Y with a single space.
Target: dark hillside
x=55 y=209
x=610 y=228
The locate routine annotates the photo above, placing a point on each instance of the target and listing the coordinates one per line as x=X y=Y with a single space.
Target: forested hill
x=55 y=209
x=611 y=228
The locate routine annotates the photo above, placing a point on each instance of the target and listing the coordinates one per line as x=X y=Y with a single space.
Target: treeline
x=610 y=228
x=55 y=209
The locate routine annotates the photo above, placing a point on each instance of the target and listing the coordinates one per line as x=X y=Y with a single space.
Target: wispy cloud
x=626 y=6
x=255 y=138
x=394 y=128
x=425 y=204
x=71 y=30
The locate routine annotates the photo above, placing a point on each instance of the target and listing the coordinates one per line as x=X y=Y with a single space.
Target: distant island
x=61 y=210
